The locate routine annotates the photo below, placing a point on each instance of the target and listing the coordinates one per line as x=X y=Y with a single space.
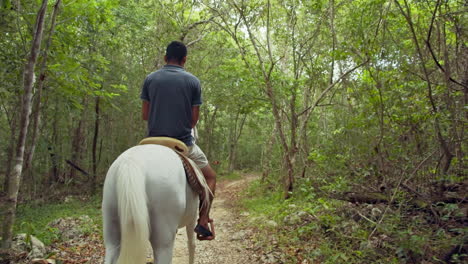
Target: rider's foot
x=203 y=231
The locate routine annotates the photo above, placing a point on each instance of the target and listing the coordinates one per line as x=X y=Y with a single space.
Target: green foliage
x=33 y=218
x=260 y=202
x=229 y=176
x=332 y=231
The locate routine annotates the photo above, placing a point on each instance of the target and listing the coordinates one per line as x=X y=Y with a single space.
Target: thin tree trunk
x=209 y=127
x=78 y=142
x=95 y=140
x=28 y=81
x=268 y=154
x=268 y=87
x=235 y=136
x=289 y=177
x=40 y=85
x=444 y=145
x=212 y=126
x=232 y=157
x=232 y=144
x=54 y=177
x=464 y=116
x=332 y=29
x=10 y=152
x=453 y=103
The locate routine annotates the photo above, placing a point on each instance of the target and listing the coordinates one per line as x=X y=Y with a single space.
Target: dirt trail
x=230 y=243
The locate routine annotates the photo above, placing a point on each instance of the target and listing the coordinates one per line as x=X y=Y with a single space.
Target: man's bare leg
x=210 y=177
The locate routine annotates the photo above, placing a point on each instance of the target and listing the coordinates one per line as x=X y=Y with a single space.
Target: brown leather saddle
x=193 y=173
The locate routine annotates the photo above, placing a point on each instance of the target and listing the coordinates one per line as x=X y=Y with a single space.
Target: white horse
x=147 y=197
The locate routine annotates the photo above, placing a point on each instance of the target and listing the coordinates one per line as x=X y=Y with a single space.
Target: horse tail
x=133 y=213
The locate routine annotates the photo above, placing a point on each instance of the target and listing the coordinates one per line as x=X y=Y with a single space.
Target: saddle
x=193 y=173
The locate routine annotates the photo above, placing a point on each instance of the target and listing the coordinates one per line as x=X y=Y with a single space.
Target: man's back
x=171 y=93
x=171 y=104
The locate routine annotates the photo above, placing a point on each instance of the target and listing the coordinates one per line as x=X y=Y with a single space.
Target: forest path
x=229 y=245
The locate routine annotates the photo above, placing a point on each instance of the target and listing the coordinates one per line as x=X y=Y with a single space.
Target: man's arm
x=195 y=115
x=145 y=110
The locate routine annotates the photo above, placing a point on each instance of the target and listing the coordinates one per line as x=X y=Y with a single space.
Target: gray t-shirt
x=171 y=93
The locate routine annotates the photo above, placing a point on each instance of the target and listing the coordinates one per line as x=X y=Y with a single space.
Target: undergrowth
x=334 y=231
x=33 y=219
x=229 y=176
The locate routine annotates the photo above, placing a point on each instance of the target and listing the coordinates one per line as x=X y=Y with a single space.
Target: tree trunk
x=464 y=116
x=11 y=148
x=54 y=176
x=232 y=157
x=234 y=139
x=95 y=140
x=28 y=81
x=211 y=132
x=78 y=142
x=266 y=70
x=209 y=122
x=444 y=145
x=288 y=178
x=268 y=154
x=304 y=145
x=40 y=85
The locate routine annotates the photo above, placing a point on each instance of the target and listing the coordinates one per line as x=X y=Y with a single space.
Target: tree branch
x=322 y=95
x=192 y=26
x=434 y=57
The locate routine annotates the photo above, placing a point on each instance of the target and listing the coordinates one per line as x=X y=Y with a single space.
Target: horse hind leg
x=163 y=232
x=191 y=220
x=191 y=241
x=190 y=226
x=111 y=233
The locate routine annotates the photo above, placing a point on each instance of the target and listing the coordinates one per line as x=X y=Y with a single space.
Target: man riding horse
x=171 y=105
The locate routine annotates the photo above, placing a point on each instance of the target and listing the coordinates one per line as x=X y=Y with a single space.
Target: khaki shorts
x=197 y=155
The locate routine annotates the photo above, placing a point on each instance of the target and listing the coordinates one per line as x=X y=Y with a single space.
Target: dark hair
x=176 y=51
